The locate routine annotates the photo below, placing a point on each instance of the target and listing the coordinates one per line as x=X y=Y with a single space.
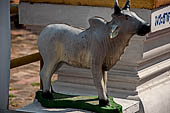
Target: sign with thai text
x=160 y=19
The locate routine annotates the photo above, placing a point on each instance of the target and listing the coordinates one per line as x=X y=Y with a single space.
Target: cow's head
x=128 y=21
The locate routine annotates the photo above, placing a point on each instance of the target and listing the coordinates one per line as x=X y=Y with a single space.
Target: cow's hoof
x=103 y=103
x=47 y=95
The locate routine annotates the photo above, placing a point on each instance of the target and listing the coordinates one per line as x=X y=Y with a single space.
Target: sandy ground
x=24 y=80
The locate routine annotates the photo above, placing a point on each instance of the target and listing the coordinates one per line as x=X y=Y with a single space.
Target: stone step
x=79 y=89
x=89 y=81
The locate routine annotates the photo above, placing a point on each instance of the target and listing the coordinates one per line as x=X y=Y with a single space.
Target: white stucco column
x=4 y=52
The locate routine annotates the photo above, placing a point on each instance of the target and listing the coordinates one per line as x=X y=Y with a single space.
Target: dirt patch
x=22 y=79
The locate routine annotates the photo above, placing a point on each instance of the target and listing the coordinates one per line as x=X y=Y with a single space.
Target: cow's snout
x=144 y=29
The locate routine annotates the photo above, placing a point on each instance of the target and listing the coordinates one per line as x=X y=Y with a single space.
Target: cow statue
x=97 y=48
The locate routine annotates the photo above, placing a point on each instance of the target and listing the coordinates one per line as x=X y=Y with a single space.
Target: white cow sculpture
x=97 y=48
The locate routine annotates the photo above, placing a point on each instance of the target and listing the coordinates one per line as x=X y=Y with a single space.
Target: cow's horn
x=127 y=5
x=116 y=7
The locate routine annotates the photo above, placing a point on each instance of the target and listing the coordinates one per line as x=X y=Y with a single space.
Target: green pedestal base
x=89 y=103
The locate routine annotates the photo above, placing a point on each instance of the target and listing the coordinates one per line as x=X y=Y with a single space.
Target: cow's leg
x=46 y=74
x=105 y=81
x=57 y=66
x=99 y=83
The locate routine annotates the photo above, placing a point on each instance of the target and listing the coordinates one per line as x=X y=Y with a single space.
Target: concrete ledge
x=36 y=107
x=129 y=106
x=156 y=99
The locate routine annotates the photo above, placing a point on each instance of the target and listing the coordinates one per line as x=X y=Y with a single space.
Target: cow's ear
x=96 y=22
x=114 y=31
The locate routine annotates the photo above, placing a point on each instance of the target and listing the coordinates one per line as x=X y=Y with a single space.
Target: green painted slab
x=89 y=103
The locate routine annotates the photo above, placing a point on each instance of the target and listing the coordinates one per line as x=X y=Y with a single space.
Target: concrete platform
x=36 y=107
x=129 y=106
